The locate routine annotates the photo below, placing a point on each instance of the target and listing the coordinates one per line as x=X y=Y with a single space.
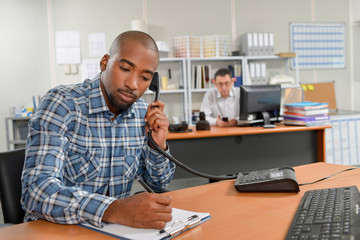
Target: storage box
x=215 y=46
x=187 y=46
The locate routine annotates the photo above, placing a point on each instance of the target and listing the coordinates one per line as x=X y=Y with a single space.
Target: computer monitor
x=260 y=105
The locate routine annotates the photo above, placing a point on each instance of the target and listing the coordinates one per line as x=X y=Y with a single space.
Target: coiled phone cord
x=183 y=166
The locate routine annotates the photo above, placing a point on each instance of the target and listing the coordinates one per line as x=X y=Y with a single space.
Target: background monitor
x=260 y=105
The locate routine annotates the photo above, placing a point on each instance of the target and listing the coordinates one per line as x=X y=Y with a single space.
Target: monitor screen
x=260 y=104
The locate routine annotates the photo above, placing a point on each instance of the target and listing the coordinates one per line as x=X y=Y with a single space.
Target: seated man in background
x=87 y=142
x=221 y=104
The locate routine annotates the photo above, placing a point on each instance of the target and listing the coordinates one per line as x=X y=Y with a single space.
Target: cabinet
x=16 y=132
x=343 y=139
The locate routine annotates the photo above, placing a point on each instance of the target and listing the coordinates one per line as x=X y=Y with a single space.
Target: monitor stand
x=267 y=122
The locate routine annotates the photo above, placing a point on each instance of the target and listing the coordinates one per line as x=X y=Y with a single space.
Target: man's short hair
x=222 y=72
x=143 y=38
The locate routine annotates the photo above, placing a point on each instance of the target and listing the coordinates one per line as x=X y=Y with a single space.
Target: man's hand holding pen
x=143 y=210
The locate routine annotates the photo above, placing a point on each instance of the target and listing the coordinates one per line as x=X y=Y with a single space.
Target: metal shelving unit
x=287 y=61
x=243 y=60
x=16 y=132
x=176 y=98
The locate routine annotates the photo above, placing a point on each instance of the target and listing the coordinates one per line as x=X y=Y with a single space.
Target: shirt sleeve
x=44 y=194
x=206 y=108
x=157 y=170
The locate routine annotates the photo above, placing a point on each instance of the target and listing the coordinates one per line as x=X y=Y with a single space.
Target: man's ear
x=104 y=61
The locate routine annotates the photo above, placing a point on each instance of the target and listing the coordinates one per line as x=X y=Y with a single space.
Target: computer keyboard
x=332 y=213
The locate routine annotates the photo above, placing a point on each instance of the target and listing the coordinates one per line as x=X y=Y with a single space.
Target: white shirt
x=214 y=104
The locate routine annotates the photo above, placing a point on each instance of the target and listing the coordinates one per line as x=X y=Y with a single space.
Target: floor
x=174 y=185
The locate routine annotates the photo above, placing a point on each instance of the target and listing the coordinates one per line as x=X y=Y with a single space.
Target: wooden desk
x=234 y=215
x=233 y=131
x=246 y=148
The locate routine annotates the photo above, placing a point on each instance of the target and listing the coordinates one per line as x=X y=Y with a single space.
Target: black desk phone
x=270 y=180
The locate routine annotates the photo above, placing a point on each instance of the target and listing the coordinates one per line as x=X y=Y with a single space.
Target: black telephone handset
x=155 y=85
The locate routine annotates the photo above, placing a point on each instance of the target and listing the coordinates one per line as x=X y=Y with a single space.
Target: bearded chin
x=118 y=105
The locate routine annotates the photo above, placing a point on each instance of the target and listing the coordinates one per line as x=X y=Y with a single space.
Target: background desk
x=234 y=215
x=236 y=149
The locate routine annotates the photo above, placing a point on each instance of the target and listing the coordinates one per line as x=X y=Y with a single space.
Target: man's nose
x=132 y=82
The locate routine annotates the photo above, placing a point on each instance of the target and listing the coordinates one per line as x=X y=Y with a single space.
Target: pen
x=144 y=185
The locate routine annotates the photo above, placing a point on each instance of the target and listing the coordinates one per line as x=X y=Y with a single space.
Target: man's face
x=127 y=74
x=224 y=84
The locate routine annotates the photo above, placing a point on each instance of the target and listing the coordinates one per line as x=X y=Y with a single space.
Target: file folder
x=246 y=44
x=237 y=70
x=193 y=76
x=271 y=44
x=261 y=43
x=263 y=73
x=266 y=44
x=258 y=73
x=198 y=79
x=207 y=76
x=255 y=44
x=252 y=73
x=247 y=80
x=237 y=75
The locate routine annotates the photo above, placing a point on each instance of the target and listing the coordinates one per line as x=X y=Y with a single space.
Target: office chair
x=11 y=166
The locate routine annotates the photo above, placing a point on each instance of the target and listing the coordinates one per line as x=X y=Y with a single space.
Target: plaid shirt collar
x=97 y=102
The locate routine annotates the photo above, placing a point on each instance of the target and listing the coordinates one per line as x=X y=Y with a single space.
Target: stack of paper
x=306 y=113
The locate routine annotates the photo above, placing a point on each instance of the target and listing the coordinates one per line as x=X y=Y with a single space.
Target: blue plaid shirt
x=78 y=161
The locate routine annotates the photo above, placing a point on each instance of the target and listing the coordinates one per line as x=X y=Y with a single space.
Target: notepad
x=182 y=221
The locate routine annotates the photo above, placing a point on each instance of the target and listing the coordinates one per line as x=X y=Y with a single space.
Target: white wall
x=24 y=55
x=91 y=16
x=355 y=24
x=25 y=46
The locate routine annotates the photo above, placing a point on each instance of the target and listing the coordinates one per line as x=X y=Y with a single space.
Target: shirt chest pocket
x=82 y=164
x=131 y=161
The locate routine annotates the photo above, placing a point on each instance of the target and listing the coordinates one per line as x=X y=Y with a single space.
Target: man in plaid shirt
x=87 y=142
